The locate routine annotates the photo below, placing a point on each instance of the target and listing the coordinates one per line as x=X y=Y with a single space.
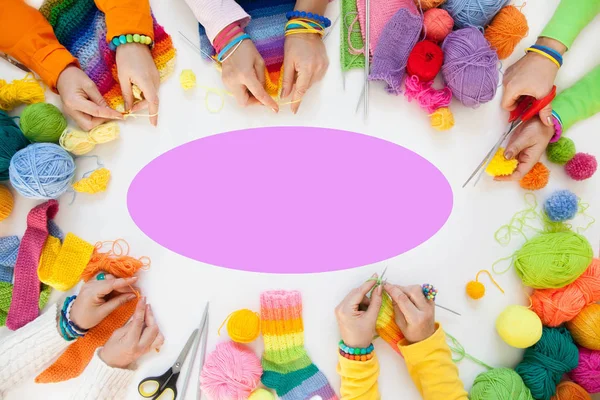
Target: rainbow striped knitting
x=81 y=28
x=287 y=368
x=386 y=325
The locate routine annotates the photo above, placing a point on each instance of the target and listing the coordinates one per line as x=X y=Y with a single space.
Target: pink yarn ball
x=587 y=373
x=231 y=372
x=581 y=167
x=437 y=24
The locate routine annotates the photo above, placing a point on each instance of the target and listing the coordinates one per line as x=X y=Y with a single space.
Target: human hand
x=305 y=63
x=97 y=299
x=414 y=314
x=244 y=76
x=135 y=66
x=81 y=99
x=133 y=340
x=357 y=314
x=527 y=145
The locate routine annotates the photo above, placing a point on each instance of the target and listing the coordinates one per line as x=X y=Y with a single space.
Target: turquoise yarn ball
x=545 y=363
x=42 y=122
x=11 y=141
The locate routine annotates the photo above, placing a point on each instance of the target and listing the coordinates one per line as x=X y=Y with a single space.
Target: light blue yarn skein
x=477 y=13
x=41 y=171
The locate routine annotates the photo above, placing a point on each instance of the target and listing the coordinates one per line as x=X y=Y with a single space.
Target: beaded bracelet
x=541 y=50
x=558 y=128
x=356 y=353
x=68 y=329
x=235 y=42
x=129 y=38
x=315 y=17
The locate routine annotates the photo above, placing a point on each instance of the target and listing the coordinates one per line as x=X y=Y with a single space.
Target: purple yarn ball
x=470 y=67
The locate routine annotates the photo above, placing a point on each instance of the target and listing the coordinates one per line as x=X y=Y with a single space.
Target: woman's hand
x=133 y=340
x=304 y=64
x=97 y=299
x=135 y=66
x=81 y=99
x=414 y=314
x=357 y=315
x=244 y=76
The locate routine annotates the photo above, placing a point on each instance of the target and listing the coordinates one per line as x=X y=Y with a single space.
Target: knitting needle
x=202 y=357
x=367 y=56
x=201 y=331
x=332 y=26
x=205 y=54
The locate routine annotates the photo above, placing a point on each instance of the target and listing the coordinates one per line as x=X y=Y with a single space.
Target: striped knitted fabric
x=26 y=292
x=61 y=266
x=386 y=325
x=9 y=248
x=6 y=291
x=352 y=44
x=286 y=366
x=81 y=28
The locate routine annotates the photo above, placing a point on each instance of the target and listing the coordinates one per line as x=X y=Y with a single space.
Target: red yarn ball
x=437 y=24
x=425 y=60
x=581 y=167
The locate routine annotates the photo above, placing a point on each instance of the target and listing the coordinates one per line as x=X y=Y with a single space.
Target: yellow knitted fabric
x=273 y=88
x=501 y=166
x=386 y=325
x=69 y=263
x=95 y=183
x=48 y=258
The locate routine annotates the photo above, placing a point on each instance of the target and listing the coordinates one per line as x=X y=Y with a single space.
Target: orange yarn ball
x=570 y=391
x=507 y=29
x=437 y=24
x=537 y=178
x=585 y=327
x=475 y=290
x=428 y=4
x=6 y=202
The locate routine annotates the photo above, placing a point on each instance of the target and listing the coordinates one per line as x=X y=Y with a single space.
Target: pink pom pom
x=587 y=373
x=231 y=372
x=428 y=98
x=581 y=167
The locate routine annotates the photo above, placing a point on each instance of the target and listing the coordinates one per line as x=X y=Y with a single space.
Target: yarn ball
x=570 y=391
x=243 y=326
x=499 y=384
x=187 y=79
x=507 y=29
x=556 y=306
x=553 y=260
x=41 y=171
x=547 y=361
x=587 y=373
x=475 y=290
x=581 y=167
x=519 y=327
x=20 y=91
x=42 y=122
x=585 y=327
x=11 y=141
x=475 y=13
x=562 y=151
x=6 y=202
x=562 y=205
x=500 y=166
x=537 y=178
x=437 y=24
x=428 y=4
x=442 y=119
x=261 y=394
x=425 y=60
x=470 y=66
x=231 y=372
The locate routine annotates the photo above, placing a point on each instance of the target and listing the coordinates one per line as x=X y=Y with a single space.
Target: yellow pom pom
x=475 y=290
x=261 y=394
x=187 y=79
x=519 y=327
x=6 y=202
x=442 y=119
x=243 y=326
x=95 y=183
x=500 y=166
x=79 y=142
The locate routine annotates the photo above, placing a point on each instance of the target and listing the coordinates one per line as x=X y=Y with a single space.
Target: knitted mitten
x=9 y=248
x=287 y=368
x=61 y=267
x=26 y=292
x=6 y=290
x=395 y=44
x=386 y=325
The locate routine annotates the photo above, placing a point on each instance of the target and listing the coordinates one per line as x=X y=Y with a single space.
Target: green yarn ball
x=499 y=384
x=561 y=151
x=553 y=260
x=545 y=363
x=11 y=141
x=42 y=122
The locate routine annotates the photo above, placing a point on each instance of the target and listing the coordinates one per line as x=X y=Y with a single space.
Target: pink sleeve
x=215 y=15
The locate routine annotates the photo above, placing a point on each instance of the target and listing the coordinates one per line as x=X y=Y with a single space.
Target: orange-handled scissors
x=527 y=108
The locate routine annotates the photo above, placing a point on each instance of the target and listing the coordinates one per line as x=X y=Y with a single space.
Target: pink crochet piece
x=26 y=291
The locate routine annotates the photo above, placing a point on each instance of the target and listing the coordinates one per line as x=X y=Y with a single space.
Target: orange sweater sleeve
x=126 y=17
x=27 y=36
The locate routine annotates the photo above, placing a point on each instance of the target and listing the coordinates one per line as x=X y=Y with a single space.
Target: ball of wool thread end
x=437 y=24
x=243 y=326
x=585 y=327
x=587 y=372
x=42 y=122
x=581 y=167
x=537 y=178
x=6 y=202
x=507 y=29
x=475 y=290
x=519 y=327
x=562 y=205
x=442 y=119
x=562 y=151
x=570 y=391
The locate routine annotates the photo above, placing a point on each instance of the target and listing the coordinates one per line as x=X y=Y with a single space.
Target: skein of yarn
x=11 y=141
x=41 y=171
x=470 y=67
x=587 y=372
x=475 y=13
x=231 y=372
x=42 y=122
x=507 y=29
x=20 y=91
x=243 y=326
x=519 y=327
x=499 y=384
x=585 y=327
x=79 y=142
x=425 y=60
x=6 y=202
x=437 y=24
x=570 y=391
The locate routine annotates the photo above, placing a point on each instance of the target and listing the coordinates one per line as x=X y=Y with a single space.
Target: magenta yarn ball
x=587 y=372
x=581 y=167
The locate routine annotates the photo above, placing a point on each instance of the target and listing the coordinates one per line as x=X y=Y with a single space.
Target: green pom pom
x=561 y=152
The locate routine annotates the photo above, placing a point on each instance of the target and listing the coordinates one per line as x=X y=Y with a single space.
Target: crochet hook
x=202 y=52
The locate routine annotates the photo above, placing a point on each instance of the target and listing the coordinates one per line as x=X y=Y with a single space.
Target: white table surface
x=178 y=287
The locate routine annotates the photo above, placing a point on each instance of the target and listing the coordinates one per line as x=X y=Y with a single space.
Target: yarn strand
x=457 y=348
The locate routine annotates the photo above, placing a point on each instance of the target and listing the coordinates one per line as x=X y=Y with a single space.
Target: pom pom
x=500 y=166
x=6 y=202
x=475 y=290
x=187 y=79
x=499 y=384
x=42 y=122
x=95 y=183
x=437 y=24
x=562 y=205
x=476 y=13
x=570 y=391
x=243 y=326
x=507 y=29
x=261 y=394
x=428 y=4
x=581 y=167
x=537 y=178
x=519 y=327
x=561 y=152
x=425 y=60
x=442 y=119
x=585 y=327
x=587 y=373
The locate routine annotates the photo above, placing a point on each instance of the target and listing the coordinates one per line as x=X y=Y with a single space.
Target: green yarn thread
x=561 y=151
x=6 y=290
x=457 y=348
x=42 y=122
x=500 y=384
x=11 y=141
x=547 y=361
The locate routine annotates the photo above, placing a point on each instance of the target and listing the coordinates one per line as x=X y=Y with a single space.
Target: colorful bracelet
x=235 y=42
x=429 y=291
x=301 y=25
x=226 y=35
x=68 y=329
x=550 y=51
x=129 y=38
x=315 y=17
x=355 y=351
x=550 y=56
x=558 y=127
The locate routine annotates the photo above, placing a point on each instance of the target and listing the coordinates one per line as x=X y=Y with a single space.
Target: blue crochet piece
x=9 y=249
x=55 y=231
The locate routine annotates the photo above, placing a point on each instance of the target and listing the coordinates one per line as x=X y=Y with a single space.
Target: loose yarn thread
x=20 y=91
x=80 y=143
x=116 y=261
x=457 y=348
x=476 y=289
x=442 y=119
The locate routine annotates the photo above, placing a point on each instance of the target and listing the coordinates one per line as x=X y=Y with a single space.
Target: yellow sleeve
x=431 y=368
x=359 y=379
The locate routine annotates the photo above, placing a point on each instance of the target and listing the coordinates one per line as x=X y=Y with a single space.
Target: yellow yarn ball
x=6 y=202
x=261 y=394
x=475 y=290
x=187 y=79
x=500 y=166
x=442 y=119
x=585 y=327
x=243 y=326
x=519 y=327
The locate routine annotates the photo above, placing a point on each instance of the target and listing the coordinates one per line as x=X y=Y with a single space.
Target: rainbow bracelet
x=326 y=22
x=356 y=353
x=230 y=45
x=129 y=38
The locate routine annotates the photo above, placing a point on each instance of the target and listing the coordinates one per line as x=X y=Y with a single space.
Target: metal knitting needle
x=202 y=357
x=331 y=27
x=367 y=56
x=447 y=309
x=201 y=331
x=198 y=49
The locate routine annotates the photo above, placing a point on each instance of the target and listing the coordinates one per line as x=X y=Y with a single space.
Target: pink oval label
x=289 y=200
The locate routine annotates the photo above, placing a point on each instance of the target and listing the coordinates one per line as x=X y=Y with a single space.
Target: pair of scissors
x=527 y=108
x=164 y=387
x=14 y=62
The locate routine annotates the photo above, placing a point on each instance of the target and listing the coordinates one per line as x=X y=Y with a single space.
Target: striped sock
x=286 y=365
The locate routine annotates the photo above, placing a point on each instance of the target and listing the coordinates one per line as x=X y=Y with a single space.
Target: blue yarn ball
x=41 y=171
x=561 y=206
x=477 y=13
